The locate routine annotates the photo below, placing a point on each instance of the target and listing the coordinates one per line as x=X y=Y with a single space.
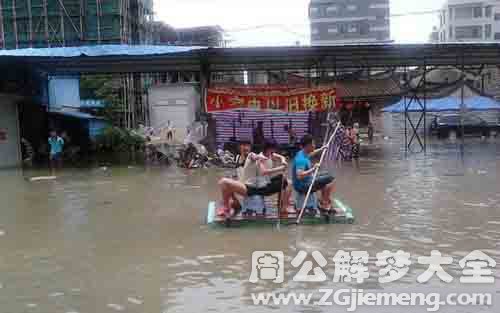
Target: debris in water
x=31 y=305
x=56 y=294
x=2 y=232
x=116 y=307
x=134 y=301
x=40 y=178
x=482 y=172
x=479 y=205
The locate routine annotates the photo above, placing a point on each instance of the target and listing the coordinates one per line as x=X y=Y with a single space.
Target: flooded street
x=133 y=239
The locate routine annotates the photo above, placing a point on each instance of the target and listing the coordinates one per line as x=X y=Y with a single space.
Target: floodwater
x=133 y=239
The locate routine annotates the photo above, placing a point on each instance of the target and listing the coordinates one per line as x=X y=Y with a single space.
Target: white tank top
x=248 y=174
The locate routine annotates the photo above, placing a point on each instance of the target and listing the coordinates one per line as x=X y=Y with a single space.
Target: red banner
x=271 y=98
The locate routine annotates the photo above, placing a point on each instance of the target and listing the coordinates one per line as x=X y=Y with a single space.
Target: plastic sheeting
x=477 y=103
x=99 y=50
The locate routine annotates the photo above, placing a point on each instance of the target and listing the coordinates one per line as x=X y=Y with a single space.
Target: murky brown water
x=132 y=239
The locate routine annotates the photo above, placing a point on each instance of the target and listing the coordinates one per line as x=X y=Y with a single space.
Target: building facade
x=473 y=21
x=469 y=21
x=349 y=21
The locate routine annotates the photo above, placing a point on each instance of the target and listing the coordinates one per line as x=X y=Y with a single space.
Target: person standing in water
x=56 y=145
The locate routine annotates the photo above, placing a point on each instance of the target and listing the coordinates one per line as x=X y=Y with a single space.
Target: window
x=487 y=31
x=314 y=11
x=379 y=6
x=497 y=16
x=477 y=12
x=497 y=36
x=471 y=120
x=450 y=32
x=476 y=32
x=352 y=28
x=315 y=31
x=331 y=10
x=468 y=32
x=364 y=29
x=488 y=11
x=450 y=14
x=352 y=7
x=449 y=120
x=333 y=29
x=464 y=12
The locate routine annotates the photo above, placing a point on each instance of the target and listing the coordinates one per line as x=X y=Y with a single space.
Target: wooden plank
x=271 y=219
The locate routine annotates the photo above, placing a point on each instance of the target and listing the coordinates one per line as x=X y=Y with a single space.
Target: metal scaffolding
x=58 y=23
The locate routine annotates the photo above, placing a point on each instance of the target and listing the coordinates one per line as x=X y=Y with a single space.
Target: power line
x=287 y=26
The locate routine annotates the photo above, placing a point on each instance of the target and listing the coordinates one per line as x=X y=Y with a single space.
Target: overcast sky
x=283 y=22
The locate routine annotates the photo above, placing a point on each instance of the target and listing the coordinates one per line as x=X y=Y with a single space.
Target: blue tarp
x=477 y=103
x=96 y=51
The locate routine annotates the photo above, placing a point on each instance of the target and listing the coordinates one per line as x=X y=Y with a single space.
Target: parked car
x=473 y=125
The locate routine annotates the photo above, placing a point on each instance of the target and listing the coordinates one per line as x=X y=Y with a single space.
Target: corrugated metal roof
x=386 y=87
x=477 y=103
x=97 y=51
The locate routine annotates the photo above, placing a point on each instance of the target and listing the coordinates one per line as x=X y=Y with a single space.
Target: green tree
x=105 y=88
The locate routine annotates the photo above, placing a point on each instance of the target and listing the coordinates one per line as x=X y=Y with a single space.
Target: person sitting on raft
x=259 y=178
x=303 y=172
x=245 y=148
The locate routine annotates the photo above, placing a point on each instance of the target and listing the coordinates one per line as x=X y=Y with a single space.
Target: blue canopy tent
x=477 y=103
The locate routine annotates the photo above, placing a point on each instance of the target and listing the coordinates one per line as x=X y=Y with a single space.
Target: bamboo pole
x=61 y=20
x=65 y=12
x=82 y=14
x=46 y=18
x=323 y=154
x=2 y=32
x=14 y=21
x=30 y=23
x=98 y=14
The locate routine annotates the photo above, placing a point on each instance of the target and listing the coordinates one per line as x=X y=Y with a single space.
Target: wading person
x=259 y=178
x=56 y=145
x=303 y=172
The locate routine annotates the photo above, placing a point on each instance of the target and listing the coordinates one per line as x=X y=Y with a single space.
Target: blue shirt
x=302 y=162
x=56 y=145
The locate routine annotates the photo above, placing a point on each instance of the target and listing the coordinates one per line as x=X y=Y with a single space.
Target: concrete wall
x=9 y=127
x=177 y=103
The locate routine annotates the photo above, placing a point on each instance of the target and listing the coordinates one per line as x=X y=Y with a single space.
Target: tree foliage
x=106 y=88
